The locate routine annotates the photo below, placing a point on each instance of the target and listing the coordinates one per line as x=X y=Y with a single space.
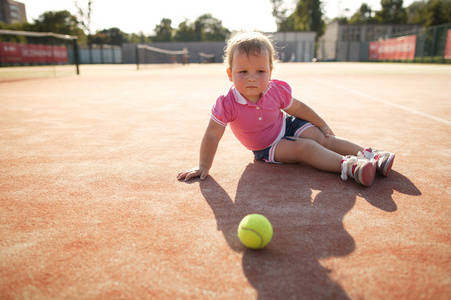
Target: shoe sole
x=367 y=173
x=386 y=168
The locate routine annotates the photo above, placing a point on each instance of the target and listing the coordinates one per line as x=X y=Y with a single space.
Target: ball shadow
x=306 y=208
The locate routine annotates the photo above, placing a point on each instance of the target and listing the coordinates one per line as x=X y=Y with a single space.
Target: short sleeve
x=220 y=111
x=283 y=93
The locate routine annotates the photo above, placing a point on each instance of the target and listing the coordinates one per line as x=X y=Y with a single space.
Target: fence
x=99 y=54
x=431 y=44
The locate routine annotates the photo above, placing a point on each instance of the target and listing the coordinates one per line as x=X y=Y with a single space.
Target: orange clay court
x=91 y=208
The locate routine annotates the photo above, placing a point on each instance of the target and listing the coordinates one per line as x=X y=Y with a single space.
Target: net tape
x=206 y=55
x=38 y=34
x=147 y=47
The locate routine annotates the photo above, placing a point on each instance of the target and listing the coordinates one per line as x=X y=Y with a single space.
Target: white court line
x=384 y=101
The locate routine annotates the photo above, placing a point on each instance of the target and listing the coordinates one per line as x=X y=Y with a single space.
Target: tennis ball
x=255 y=231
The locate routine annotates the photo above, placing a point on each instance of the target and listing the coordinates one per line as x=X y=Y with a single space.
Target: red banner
x=35 y=54
x=401 y=48
x=448 y=45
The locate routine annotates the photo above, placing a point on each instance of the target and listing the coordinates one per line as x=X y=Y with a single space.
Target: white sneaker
x=361 y=169
x=384 y=159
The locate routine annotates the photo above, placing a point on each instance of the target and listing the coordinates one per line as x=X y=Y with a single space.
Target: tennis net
x=206 y=58
x=25 y=54
x=146 y=54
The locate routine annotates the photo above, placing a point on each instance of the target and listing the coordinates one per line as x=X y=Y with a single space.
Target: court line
x=383 y=101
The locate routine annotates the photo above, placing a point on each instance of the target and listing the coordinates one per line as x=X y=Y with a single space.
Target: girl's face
x=250 y=74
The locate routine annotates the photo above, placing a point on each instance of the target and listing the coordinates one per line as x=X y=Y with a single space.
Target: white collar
x=240 y=98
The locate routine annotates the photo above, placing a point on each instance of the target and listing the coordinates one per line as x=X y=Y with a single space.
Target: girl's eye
x=243 y=71
x=261 y=71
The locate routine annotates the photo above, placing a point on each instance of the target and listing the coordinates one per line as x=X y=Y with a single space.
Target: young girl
x=266 y=119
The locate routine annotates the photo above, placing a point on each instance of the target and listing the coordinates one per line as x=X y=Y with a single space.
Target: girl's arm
x=303 y=111
x=208 y=147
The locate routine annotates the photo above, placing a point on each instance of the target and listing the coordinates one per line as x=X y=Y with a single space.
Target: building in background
x=350 y=42
x=295 y=46
x=12 y=12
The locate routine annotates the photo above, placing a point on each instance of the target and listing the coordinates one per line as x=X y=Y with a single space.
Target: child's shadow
x=306 y=208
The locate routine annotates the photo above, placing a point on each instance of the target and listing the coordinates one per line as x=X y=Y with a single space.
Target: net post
x=137 y=57
x=112 y=53
x=76 y=58
x=102 y=59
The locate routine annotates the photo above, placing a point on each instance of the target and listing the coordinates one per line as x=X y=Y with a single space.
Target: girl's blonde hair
x=253 y=42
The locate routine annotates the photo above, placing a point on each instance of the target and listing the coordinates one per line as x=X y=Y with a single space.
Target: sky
x=135 y=16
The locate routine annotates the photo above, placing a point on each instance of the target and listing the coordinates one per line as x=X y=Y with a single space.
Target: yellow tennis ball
x=255 y=231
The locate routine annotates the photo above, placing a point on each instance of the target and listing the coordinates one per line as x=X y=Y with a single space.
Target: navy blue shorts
x=294 y=127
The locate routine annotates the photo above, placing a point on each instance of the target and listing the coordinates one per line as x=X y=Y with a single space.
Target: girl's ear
x=229 y=73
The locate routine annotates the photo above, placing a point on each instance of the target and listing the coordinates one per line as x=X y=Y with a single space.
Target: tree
x=308 y=16
x=279 y=12
x=163 y=31
x=139 y=38
x=185 y=32
x=56 y=21
x=112 y=36
x=208 y=28
x=434 y=12
x=84 y=17
x=362 y=16
x=392 y=12
x=289 y=24
x=204 y=28
x=414 y=11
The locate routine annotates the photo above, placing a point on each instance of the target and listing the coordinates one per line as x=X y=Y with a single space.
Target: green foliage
x=392 y=12
x=58 y=22
x=363 y=16
x=307 y=16
x=207 y=28
x=427 y=13
x=185 y=32
x=112 y=36
x=204 y=28
x=163 y=31
x=139 y=38
x=289 y=24
x=433 y=12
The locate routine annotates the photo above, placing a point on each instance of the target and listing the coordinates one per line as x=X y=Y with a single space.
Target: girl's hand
x=326 y=130
x=201 y=172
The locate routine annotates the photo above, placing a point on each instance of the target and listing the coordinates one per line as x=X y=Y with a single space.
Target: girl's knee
x=315 y=134
x=322 y=140
x=305 y=146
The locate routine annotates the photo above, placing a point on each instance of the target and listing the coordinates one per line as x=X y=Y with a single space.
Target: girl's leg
x=297 y=150
x=309 y=152
x=336 y=144
x=345 y=147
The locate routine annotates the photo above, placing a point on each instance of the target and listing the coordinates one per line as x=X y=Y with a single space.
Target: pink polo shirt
x=256 y=126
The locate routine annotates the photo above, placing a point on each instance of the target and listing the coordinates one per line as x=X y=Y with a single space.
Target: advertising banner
x=448 y=45
x=35 y=54
x=401 y=48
